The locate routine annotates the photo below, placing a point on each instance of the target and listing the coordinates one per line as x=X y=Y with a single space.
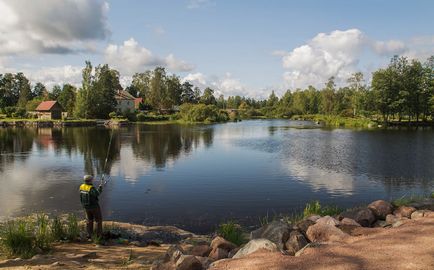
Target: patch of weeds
x=232 y=232
x=17 y=239
x=128 y=259
x=315 y=208
x=405 y=200
x=42 y=232
x=72 y=228
x=57 y=229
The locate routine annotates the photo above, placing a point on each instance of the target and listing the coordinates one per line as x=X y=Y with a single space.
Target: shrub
x=57 y=229
x=202 y=113
x=17 y=239
x=232 y=232
x=141 y=117
x=113 y=115
x=43 y=236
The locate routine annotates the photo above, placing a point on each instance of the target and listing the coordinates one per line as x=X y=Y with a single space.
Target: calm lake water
x=197 y=176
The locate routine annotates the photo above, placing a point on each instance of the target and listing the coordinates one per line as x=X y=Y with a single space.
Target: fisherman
x=89 y=200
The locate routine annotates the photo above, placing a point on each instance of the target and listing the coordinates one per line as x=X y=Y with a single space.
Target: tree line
x=402 y=90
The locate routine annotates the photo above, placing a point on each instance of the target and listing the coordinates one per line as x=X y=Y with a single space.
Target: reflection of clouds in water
x=320 y=179
x=129 y=167
x=15 y=181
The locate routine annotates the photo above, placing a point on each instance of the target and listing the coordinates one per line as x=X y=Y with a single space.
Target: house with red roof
x=137 y=102
x=48 y=110
x=125 y=101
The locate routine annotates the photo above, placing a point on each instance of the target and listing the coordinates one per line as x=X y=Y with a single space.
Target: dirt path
x=410 y=246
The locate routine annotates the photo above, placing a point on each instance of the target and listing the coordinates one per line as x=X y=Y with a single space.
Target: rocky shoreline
x=311 y=243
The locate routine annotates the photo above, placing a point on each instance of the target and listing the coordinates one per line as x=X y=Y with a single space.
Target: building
x=125 y=101
x=137 y=102
x=49 y=110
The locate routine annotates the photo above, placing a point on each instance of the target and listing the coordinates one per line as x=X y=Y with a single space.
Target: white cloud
x=130 y=57
x=51 y=26
x=332 y=54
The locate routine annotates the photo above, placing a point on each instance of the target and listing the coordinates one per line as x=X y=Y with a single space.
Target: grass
x=315 y=208
x=338 y=121
x=25 y=237
x=232 y=232
x=408 y=199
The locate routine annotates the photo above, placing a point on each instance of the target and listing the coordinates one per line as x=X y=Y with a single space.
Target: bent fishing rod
x=105 y=179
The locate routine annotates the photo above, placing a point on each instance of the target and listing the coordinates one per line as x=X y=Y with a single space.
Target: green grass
x=72 y=228
x=338 y=121
x=42 y=232
x=232 y=232
x=315 y=208
x=408 y=199
x=17 y=239
x=57 y=229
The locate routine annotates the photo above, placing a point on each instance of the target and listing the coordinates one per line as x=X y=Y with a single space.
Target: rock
x=363 y=216
x=89 y=255
x=421 y=213
x=348 y=228
x=173 y=253
x=381 y=224
x=313 y=218
x=188 y=262
x=205 y=261
x=325 y=233
x=310 y=245
x=328 y=220
x=390 y=219
x=163 y=266
x=255 y=245
x=276 y=231
x=137 y=244
x=233 y=252
x=36 y=257
x=200 y=250
x=404 y=211
x=220 y=242
x=218 y=254
x=295 y=242
x=349 y=221
x=99 y=261
x=381 y=209
x=303 y=225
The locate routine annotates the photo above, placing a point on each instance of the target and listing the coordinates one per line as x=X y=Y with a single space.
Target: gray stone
x=363 y=216
x=328 y=220
x=349 y=221
x=313 y=218
x=255 y=245
x=205 y=261
x=381 y=208
x=303 y=225
x=325 y=233
x=188 y=262
x=200 y=250
x=276 y=231
x=425 y=204
x=173 y=253
x=421 y=213
x=295 y=242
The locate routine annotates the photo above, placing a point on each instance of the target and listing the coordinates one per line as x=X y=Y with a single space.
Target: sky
x=235 y=47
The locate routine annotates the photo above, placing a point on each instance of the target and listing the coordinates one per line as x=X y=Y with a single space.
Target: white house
x=125 y=101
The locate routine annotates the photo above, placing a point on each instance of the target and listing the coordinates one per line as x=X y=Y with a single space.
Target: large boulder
x=363 y=216
x=276 y=231
x=328 y=220
x=425 y=204
x=205 y=261
x=325 y=233
x=220 y=242
x=255 y=245
x=174 y=253
x=404 y=211
x=295 y=242
x=188 y=262
x=313 y=218
x=349 y=221
x=381 y=209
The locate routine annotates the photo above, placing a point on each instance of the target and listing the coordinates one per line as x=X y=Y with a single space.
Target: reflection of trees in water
x=92 y=143
x=14 y=145
x=160 y=143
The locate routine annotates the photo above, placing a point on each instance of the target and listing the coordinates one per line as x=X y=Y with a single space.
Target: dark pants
x=94 y=215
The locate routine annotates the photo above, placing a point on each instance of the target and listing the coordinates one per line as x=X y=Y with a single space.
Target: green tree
x=67 y=98
x=208 y=97
x=22 y=86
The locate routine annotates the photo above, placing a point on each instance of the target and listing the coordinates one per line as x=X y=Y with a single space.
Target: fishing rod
x=104 y=180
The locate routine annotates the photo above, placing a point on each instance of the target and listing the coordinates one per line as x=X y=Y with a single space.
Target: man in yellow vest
x=89 y=200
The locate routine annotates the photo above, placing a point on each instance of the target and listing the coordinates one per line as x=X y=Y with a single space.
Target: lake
x=196 y=176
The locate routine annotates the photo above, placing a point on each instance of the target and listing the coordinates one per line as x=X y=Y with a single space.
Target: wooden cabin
x=48 y=110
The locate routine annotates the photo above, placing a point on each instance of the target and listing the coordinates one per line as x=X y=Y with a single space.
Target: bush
x=72 y=228
x=202 y=113
x=17 y=239
x=113 y=115
x=57 y=229
x=141 y=117
x=232 y=232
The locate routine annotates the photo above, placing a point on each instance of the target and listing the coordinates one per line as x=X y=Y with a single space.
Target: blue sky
x=235 y=47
